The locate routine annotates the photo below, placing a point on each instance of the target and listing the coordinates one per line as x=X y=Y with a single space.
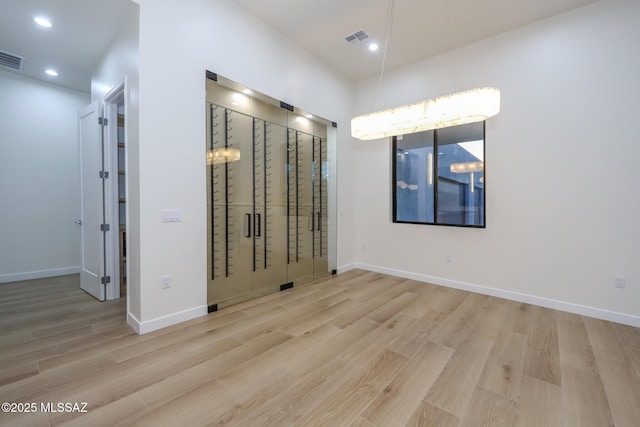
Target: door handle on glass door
x=257 y=227
x=248 y=226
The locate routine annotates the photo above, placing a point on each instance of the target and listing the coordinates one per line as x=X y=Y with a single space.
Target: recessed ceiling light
x=373 y=47
x=247 y=92
x=309 y=116
x=52 y=73
x=44 y=22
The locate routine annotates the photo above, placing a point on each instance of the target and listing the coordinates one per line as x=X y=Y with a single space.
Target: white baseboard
x=345 y=268
x=31 y=275
x=166 y=321
x=597 y=313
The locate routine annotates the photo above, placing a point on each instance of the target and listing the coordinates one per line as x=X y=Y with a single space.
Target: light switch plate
x=171 y=215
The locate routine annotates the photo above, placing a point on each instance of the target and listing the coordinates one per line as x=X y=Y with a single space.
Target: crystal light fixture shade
x=459 y=108
x=222 y=155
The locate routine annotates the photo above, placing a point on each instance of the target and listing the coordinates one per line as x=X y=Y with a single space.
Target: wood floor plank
x=313 y=319
x=540 y=404
x=375 y=302
x=412 y=339
x=391 y=308
x=246 y=379
x=301 y=398
x=456 y=328
x=455 y=387
x=350 y=399
x=265 y=391
x=18 y=372
x=204 y=405
x=15 y=337
x=35 y=350
x=519 y=317
x=618 y=375
x=585 y=400
x=363 y=350
x=396 y=403
x=502 y=373
x=119 y=335
x=634 y=356
x=375 y=284
x=37 y=419
x=273 y=320
x=29 y=388
x=361 y=422
x=542 y=359
x=186 y=380
x=119 y=412
x=488 y=409
x=146 y=346
x=428 y=415
x=312 y=357
x=140 y=373
x=628 y=335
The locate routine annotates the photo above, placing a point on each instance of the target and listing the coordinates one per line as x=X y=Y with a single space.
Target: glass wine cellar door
x=268 y=201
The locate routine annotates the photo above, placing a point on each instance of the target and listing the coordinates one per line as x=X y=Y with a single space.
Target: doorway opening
x=103 y=165
x=116 y=199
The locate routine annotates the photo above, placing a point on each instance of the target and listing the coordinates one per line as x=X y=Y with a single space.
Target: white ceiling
x=81 y=33
x=83 y=29
x=420 y=28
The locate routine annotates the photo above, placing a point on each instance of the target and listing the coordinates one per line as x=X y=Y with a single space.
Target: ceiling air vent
x=12 y=61
x=357 y=37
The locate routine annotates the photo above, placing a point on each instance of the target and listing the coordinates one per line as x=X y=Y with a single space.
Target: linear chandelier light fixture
x=459 y=108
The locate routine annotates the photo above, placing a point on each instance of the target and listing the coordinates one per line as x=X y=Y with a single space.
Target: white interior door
x=92 y=201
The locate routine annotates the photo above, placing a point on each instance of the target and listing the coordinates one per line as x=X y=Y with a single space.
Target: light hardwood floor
x=357 y=349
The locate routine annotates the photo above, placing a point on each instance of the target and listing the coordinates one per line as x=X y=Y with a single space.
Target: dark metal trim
x=297 y=200
x=226 y=194
x=253 y=159
x=211 y=75
x=394 y=179
x=286 y=286
x=212 y=195
x=266 y=207
x=286 y=106
x=288 y=198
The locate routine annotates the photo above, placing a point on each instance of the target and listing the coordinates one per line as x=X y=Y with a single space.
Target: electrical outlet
x=166 y=282
x=620 y=281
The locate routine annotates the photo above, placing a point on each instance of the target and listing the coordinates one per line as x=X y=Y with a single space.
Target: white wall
x=39 y=178
x=120 y=63
x=178 y=42
x=562 y=174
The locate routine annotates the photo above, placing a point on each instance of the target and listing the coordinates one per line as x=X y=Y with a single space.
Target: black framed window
x=438 y=177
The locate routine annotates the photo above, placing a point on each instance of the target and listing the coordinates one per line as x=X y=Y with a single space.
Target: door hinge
x=104 y=174
x=104 y=227
x=106 y=279
x=103 y=121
